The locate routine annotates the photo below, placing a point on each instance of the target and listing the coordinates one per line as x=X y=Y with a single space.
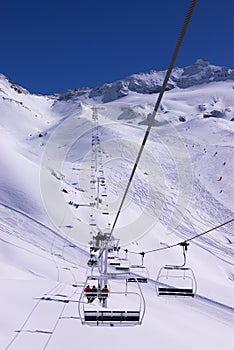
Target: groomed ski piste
x=183 y=187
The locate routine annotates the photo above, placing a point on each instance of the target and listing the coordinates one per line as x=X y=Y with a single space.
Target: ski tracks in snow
x=40 y=325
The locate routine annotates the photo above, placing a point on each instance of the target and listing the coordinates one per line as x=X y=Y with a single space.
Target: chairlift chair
x=114 y=263
x=92 y=221
x=140 y=273
x=104 y=193
x=113 y=257
x=93 y=267
x=123 y=265
x=111 y=254
x=176 y=280
x=123 y=308
x=93 y=261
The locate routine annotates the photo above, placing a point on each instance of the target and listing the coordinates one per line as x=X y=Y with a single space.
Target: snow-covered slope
x=183 y=187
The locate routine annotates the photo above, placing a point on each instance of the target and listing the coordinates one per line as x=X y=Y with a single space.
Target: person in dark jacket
x=93 y=294
x=88 y=293
x=103 y=294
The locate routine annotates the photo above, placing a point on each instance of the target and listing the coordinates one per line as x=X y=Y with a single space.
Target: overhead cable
x=182 y=242
x=152 y=118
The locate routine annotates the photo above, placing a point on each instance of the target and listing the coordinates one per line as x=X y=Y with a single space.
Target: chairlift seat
x=176 y=291
x=138 y=279
x=124 y=268
x=175 y=267
x=140 y=272
x=115 y=263
x=111 y=316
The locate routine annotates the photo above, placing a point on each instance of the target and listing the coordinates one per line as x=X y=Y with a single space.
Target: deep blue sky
x=51 y=46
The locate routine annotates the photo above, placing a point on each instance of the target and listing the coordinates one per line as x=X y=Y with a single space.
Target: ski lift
x=120 y=307
x=105 y=211
x=93 y=261
x=140 y=273
x=92 y=221
x=112 y=255
x=114 y=260
x=112 y=244
x=123 y=264
x=104 y=194
x=177 y=280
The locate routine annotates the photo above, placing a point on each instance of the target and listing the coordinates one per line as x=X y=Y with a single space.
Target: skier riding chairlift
x=103 y=294
x=88 y=293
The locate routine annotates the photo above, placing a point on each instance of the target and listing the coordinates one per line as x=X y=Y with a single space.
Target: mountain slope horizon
x=151 y=81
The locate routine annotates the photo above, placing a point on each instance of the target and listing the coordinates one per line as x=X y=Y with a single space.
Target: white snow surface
x=182 y=187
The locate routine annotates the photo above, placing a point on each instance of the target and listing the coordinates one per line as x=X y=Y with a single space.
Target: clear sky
x=50 y=46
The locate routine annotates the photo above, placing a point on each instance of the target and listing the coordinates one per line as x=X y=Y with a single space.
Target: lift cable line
x=105 y=283
x=152 y=118
x=181 y=243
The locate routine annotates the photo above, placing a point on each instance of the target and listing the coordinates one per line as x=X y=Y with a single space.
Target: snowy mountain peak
x=7 y=84
x=201 y=72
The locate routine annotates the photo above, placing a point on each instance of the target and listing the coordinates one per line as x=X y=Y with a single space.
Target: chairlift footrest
x=112 y=316
x=138 y=279
x=176 y=291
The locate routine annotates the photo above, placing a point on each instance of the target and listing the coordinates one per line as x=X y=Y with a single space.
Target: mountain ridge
x=148 y=82
x=151 y=82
